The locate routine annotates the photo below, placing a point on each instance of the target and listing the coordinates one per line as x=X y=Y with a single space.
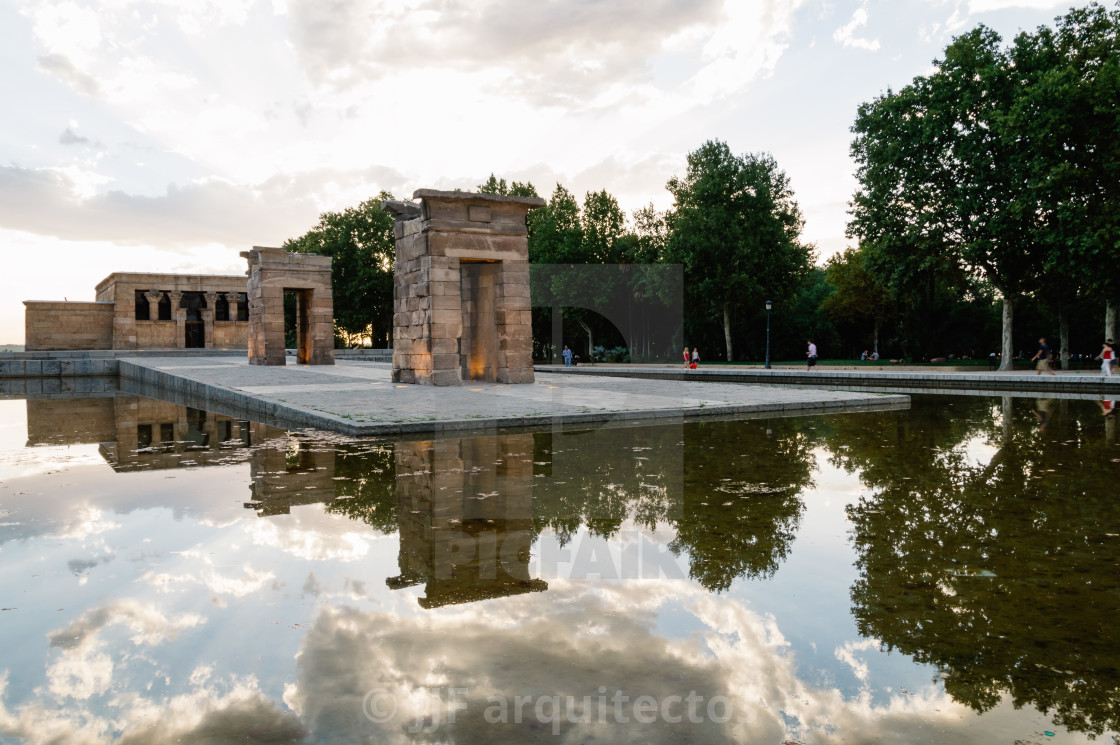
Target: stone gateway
x=272 y=272
x=461 y=290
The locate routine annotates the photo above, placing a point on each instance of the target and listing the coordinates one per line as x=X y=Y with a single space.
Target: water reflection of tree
x=599 y=478
x=731 y=490
x=742 y=503
x=1001 y=573
x=365 y=484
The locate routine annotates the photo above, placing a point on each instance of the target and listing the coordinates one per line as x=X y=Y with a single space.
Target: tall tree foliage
x=360 y=242
x=736 y=229
x=1003 y=164
x=859 y=298
x=941 y=177
x=1068 y=115
x=499 y=186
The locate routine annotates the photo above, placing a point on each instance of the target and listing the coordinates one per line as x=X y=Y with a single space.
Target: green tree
x=1067 y=115
x=361 y=244
x=858 y=297
x=736 y=229
x=943 y=175
x=604 y=224
x=498 y=186
x=556 y=232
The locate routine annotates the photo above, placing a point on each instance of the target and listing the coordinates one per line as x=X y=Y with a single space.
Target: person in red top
x=1106 y=356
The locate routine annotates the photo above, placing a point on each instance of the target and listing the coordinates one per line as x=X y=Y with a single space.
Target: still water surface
x=943 y=574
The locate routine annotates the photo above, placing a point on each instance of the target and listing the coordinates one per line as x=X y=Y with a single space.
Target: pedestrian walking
x=687 y=358
x=812 y=355
x=695 y=357
x=1042 y=356
x=1108 y=353
x=567 y=355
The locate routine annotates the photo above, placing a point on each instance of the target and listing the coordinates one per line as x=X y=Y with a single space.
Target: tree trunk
x=1007 y=361
x=557 y=332
x=1063 y=334
x=727 y=329
x=875 y=342
x=1109 y=320
x=590 y=341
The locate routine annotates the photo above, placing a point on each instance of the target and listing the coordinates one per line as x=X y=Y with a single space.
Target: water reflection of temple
x=134 y=433
x=293 y=471
x=465 y=511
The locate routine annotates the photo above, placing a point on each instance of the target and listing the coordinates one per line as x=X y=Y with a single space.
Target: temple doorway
x=478 y=355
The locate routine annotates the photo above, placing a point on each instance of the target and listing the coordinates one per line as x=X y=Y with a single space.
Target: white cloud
x=58 y=202
x=546 y=52
x=68 y=28
x=846 y=35
x=987 y=6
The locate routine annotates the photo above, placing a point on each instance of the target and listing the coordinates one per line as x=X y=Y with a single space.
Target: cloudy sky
x=168 y=135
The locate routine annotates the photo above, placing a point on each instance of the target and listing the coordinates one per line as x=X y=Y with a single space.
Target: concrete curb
x=79 y=363
x=1086 y=384
x=66 y=364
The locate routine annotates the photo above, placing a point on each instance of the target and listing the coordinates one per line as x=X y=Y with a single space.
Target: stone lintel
x=470 y=196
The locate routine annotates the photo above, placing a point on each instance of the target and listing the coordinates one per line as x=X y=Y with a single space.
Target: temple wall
x=50 y=325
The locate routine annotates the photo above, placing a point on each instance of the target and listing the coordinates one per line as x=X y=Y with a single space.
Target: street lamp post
x=768 y=306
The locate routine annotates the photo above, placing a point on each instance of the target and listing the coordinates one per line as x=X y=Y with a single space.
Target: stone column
x=515 y=324
x=153 y=297
x=208 y=319
x=179 y=318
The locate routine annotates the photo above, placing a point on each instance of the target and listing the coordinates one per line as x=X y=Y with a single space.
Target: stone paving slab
x=359 y=398
x=909 y=380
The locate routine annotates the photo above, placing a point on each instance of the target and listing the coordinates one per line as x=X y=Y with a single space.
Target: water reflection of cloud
x=326 y=538
x=234 y=711
x=217 y=582
x=30 y=462
x=84 y=666
x=594 y=639
x=586 y=638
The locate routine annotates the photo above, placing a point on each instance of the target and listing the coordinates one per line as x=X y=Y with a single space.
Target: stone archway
x=272 y=272
x=461 y=288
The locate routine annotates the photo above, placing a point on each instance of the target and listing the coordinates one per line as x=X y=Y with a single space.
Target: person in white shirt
x=812 y=355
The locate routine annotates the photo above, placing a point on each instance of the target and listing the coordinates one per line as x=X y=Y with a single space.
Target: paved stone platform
x=358 y=398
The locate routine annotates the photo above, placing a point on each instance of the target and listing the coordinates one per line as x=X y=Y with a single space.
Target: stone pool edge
x=159 y=383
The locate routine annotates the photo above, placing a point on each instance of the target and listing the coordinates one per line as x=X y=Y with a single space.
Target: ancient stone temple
x=145 y=311
x=273 y=272
x=461 y=295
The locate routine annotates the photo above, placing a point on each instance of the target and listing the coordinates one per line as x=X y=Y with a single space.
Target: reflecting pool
x=942 y=574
